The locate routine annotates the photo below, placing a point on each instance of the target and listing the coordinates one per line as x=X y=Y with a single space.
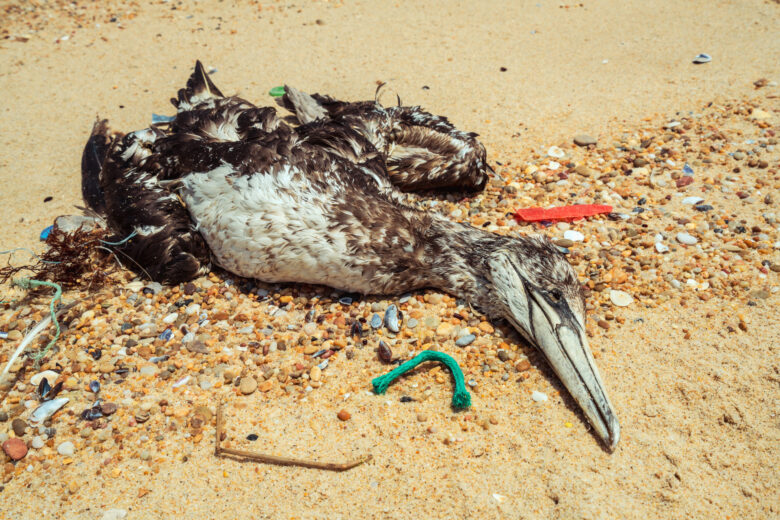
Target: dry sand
x=699 y=415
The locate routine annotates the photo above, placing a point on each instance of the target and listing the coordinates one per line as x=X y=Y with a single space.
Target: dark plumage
x=320 y=203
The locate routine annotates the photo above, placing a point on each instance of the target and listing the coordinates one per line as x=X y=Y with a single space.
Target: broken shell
x=385 y=354
x=702 y=58
x=47 y=409
x=142 y=416
x=50 y=376
x=392 y=319
x=620 y=298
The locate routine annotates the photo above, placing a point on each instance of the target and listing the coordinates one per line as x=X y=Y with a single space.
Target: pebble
x=692 y=200
x=466 y=340
x=66 y=449
x=37 y=442
x=18 y=426
x=661 y=247
x=310 y=328
x=604 y=324
x=248 y=385
x=412 y=323
x=620 y=298
x=315 y=374
x=538 y=396
x=344 y=415
x=687 y=239
x=574 y=236
x=3 y=416
x=421 y=417
x=563 y=242
x=584 y=140
x=15 y=448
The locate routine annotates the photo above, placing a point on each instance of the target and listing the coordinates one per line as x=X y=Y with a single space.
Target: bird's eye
x=556 y=295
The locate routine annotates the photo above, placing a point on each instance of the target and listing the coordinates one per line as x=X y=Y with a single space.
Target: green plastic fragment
x=460 y=399
x=277 y=91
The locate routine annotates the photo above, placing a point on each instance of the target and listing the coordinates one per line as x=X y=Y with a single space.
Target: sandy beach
x=687 y=154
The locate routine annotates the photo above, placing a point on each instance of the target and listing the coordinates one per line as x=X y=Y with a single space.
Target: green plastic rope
x=460 y=399
x=27 y=284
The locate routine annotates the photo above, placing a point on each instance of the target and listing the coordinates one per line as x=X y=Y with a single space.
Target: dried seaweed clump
x=74 y=259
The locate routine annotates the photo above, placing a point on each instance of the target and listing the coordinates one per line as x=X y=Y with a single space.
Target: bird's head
x=527 y=281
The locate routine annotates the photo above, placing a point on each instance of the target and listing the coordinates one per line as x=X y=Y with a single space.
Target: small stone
x=108 y=408
x=85 y=432
x=563 y=242
x=73 y=487
x=315 y=374
x=604 y=324
x=620 y=298
x=66 y=449
x=584 y=140
x=14 y=335
x=15 y=448
x=247 y=385
x=738 y=156
x=465 y=340
x=3 y=416
x=18 y=426
x=523 y=365
x=411 y=323
x=687 y=239
x=310 y=328
x=684 y=181
x=539 y=396
x=37 y=442
x=421 y=417
x=584 y=171
x=574 y=236
x=142 y=416
x=344 y=415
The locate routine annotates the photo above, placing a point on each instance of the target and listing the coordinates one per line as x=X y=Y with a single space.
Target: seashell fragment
x=47 y=409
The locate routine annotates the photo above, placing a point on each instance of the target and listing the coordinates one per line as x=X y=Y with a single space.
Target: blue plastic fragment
x=166 y=335
x=45 y=233
x=157 y=118
x=687 y=170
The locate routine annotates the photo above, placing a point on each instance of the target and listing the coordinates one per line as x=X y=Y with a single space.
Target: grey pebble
x=465 y=340
x=412 y=323
x=584 y=140
x=66 y=449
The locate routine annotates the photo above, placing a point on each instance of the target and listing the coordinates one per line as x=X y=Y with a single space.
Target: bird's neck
x=443 y=255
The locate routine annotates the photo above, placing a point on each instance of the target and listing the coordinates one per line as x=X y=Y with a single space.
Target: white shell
x=574 y=236
x=49 y=375
x=620 y=298
x=47 y=409
x=556 y=152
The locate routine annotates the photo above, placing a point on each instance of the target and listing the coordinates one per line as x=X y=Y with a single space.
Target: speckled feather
x=318 y=203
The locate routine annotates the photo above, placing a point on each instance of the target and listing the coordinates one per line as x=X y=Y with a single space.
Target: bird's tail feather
x=92 y=159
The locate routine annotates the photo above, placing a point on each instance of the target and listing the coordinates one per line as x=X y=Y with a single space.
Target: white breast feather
x=271 y=226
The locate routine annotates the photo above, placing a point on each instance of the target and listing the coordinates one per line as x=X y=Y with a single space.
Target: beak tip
x=614 y=436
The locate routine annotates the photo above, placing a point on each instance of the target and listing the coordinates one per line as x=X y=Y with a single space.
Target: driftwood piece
x=273 y=459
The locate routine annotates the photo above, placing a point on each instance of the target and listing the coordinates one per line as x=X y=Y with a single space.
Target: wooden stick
x=281 y=461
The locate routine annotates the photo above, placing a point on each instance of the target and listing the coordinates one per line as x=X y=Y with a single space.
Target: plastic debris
x=157 y=118
x=276 y=92
x=460 y=399
x=46 y=232
x=561 y=213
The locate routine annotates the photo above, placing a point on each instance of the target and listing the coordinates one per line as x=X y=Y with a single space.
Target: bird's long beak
x=553 y=328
